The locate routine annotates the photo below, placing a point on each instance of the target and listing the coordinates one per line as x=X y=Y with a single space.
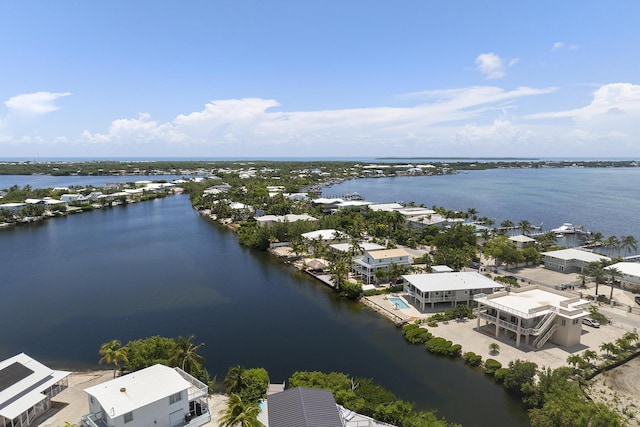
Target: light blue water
x=398 y=303
x=600 y=199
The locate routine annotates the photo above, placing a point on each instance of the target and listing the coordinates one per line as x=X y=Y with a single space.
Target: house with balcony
x=156 y=396
x=570 y=260
x=533 y=314
x=432 y=289
x=365 y=267
x=26 y=389
x=523 y=241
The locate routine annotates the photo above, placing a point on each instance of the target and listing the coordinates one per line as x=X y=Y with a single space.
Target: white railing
x=542 y=339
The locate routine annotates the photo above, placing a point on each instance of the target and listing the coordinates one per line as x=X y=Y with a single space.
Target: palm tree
x=234 y=381
x=612 y=243
x=631 y=337
x=525 y=227
x=339 y=272
x=589 y=355
x=628 y=243
x=609 y=347
x=187 y=357
x=113 y=352
x=614 y=272
x=472 y=213
x=574 y=360
x=595 y=238
x=595 y=269
x=239 y=414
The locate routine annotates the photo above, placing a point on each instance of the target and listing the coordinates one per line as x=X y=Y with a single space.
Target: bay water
x=158 y=268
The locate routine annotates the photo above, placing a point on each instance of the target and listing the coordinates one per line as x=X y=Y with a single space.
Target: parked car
x=590 y=322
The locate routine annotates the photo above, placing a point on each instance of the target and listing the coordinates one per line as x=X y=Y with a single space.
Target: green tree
x=525 y=227
x=113 y=353
x=234 y=381
x=186 y=356
x=628 y=243
x=595 y=270
x=239 y=414
x=613 y=273
x=520 y=377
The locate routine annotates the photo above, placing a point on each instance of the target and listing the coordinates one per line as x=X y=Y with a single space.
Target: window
x=128 y=417
x=175 y=398
x=563 y=322
x=576 y=321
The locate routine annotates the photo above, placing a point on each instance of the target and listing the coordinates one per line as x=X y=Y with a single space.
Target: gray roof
x=303 y=407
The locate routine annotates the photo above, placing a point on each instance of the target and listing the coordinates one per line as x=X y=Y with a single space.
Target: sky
x=330 y=78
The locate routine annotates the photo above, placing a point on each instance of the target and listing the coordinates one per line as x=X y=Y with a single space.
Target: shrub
x=500 y=374
x=444 y=347
x=418 y=335
x=491 y=366
x=472 y=359
x=455 y=350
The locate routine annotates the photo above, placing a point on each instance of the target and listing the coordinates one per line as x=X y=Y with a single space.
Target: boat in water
x=565 y=228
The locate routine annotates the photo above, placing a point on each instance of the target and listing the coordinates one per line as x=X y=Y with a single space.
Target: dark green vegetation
x=142 y=353
x=553 y=397
x=364 y=396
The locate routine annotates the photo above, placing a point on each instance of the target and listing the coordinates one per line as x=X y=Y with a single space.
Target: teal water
x=158 y=268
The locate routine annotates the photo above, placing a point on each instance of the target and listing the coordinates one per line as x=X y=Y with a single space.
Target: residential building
x=156 y=396
x=265 y=220
x=362 y=247
x=523 y=241
x=325 y=237
x=534 y=314
x=303 y=407
x=630 y=278
x=26 y=389
x=365 y=267
x=453 y=288
x=570 y=260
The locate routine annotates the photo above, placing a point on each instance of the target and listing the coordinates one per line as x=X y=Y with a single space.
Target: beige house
x=365 y=268
x=630 y=278
x=523 y=241
x=534 y=314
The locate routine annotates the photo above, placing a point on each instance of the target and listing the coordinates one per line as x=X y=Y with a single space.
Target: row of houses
x=157 y=396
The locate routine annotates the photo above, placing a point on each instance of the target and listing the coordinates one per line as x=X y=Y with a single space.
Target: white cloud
x=614 y=99
x=561 y=45
x=34 y=103
x=557 y=46
x=500 y=132
x=252 y=122
x=490 y=65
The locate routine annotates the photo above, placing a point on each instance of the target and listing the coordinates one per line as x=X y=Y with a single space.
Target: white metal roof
x=527 y=302
x=577 y=254
x=140 y=389
x=522 y=238
x=22 y=395
x=328 y=234
x=450 y=281
x=627 y=268
x=366 y=246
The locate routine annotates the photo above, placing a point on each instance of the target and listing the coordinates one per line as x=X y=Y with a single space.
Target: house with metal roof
x=156 y=396
x=570 y=260
x=452 y=288
x=26 y=389
x=534 y=314
x=630 y=278
x=365 y=267
x=303 y=407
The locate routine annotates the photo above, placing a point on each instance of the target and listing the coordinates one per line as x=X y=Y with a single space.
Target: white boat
x=565 y=228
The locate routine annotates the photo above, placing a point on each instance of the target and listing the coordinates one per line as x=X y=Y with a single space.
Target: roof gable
x=303 y=407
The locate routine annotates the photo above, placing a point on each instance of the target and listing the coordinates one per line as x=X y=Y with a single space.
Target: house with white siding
x=156 y=396
x=570 y=260
x=26 y=389
x=365 y=267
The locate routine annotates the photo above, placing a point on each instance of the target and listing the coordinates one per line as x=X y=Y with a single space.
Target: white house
x=272 y=219
x=570 y=260
x=523 y=241
x=365 y=267
x=156 y=396
x=26 y=389
x=452 y=288
x=534 y=314
x=326 y=236
x=363 y=247
x=630 y=278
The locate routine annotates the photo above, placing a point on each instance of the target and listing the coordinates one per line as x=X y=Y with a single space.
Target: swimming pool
x=398 y=303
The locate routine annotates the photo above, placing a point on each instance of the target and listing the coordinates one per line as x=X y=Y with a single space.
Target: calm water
x=601 y=199
x=156 y=267
x=48 y=181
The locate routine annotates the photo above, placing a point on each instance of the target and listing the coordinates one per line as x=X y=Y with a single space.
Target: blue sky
x=319 y=78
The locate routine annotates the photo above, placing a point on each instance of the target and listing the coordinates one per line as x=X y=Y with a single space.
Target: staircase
x=542 y=339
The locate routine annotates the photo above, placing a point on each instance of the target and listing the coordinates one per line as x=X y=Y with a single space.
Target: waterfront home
x=266 y=220
x=534 y=314
x=423 y=221
x=324 y=237
x=570 y=260
x=362 y=247
x=365 y=268
x=441 y=269
x=452 y=288
x=13 y=207
x=523 y=241
x=156 y=396
x=630 y=278
x=26 y=389
x=303 y=407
